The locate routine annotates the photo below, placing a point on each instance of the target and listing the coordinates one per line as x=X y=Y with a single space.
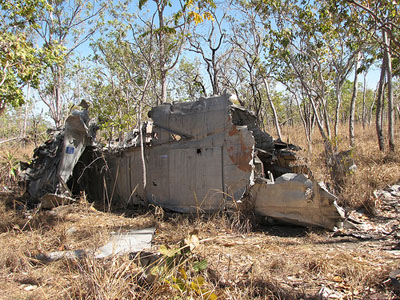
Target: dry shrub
x=89 y=278
x=15 y=216
x=9 y=217
x=10 y=156
x=277 y=264
x=263 y=288
x=15 y=254
x=26 y=234
x=357 y=271
x=315 y=265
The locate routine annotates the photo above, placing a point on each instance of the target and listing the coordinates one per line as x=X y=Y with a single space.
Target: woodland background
x=303 y=64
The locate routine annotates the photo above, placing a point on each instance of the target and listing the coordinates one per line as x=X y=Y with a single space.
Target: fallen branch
x=12 y=139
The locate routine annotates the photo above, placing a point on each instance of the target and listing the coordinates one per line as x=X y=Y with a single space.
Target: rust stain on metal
x=243 y=157
x=233 y=131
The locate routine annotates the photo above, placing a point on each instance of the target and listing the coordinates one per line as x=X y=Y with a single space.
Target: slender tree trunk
x=215 y=84
x=255 y=106
x=57 y=105
x=307 y=128
x=163 y=81
x=372 y=106
x=379 y=107
x=313 y=122
x=338 y=103
x=290 y=112
x=142 y=151
x=142 y=146
x=327 y=141
x=353 y=103
x=276 y=121
x=142 y=156
x=326 y=119
x=390 y=93
x=325 y=137
x=161 y=46
x=23 y=134
x=364 y=113
x=259 y=107
x=58 y=116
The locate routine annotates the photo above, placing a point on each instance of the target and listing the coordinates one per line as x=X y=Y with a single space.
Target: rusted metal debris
x=202 y=156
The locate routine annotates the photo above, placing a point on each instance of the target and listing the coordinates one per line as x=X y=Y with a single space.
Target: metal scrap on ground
x=201 y=156
x=134 y=240
x=131 y=241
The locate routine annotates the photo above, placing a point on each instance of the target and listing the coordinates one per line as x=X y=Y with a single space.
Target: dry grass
x=375 y=169
x=264 y=263
x=291 y=263
x=72 y=227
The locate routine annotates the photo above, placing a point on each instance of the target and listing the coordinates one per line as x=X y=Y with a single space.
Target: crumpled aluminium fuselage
x=201 y=156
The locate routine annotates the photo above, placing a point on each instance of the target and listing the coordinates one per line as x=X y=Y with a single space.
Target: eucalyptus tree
x=128 y=53
x=21 y=61
x=396 y=95
x=353 y=103
x=187 y=81
x=234 y=79
x=295 y=52
x=170 y=24
x=169 y=36
x=62 y=29
x=248 y=40
x=311 y=45
x=347 y=46
x=124 y=75
x=210 y=44
x=138 y=50
x=367 y=63
x=381 y=22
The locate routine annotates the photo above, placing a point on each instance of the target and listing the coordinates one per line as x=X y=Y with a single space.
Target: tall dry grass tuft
x=375 y=169
x=93 y=279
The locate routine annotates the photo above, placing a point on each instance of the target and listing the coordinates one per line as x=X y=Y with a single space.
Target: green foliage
x=312 y=49
x=61 y=30
x=372 y=17
x=21 y=61
x=142 y=3
x=9 y=166
x=179 y=269
x=23 y=13
x=110 y=108
x=12 y=122
x=187 y=82
x=115 y=93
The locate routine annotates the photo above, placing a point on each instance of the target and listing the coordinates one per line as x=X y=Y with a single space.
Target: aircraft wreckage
x=201 y=156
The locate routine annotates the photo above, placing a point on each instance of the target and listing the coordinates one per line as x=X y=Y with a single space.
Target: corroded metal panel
x=210 y=164
x=296 y=199
x=238 y=160
x=195 y=179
